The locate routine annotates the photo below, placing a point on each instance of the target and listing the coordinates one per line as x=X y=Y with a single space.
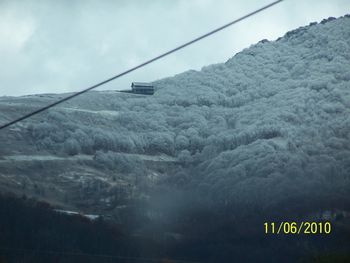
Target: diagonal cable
x=26 y=116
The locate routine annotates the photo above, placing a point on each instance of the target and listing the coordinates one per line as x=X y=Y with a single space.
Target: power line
x=140 y=65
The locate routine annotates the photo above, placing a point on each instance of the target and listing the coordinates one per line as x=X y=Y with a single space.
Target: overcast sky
x=59 y=46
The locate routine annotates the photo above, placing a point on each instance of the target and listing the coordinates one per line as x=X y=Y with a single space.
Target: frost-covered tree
x=71 y=147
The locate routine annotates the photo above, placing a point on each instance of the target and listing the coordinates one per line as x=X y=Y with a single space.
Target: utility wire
x=140 y=65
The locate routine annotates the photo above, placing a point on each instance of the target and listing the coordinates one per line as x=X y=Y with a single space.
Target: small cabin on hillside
x=142 y=88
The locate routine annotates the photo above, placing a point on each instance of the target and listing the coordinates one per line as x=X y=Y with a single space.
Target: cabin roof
x=141 y=84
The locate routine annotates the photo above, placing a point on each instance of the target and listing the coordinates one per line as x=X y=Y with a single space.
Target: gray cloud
x=61 y=46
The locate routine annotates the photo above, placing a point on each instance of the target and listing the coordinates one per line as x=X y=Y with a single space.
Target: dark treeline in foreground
x=32 y=231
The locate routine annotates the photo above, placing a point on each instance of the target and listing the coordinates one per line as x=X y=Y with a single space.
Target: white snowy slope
x=269 y=127
x=274 y=120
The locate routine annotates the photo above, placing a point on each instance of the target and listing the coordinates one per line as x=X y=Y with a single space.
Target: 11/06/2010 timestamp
x=290 y=228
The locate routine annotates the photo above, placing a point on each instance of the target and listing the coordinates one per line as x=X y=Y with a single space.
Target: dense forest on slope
x=269 y=125
x=264 y=136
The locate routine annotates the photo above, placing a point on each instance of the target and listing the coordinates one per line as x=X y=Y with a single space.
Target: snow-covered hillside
x=273 y=122
x=269 y=127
